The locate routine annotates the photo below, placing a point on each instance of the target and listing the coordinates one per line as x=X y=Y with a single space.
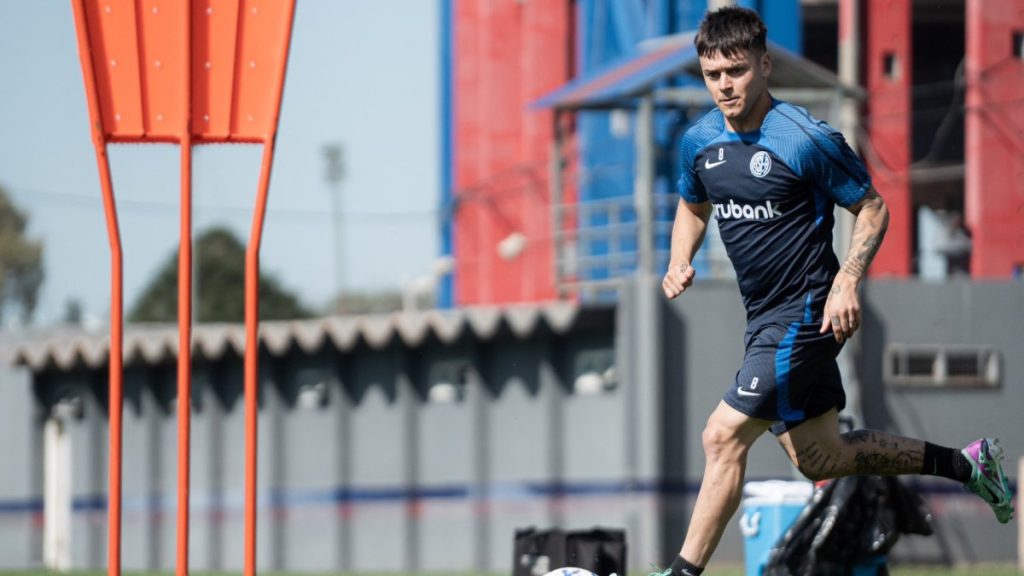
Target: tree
x=367 y=303
x=21 y=262
x=220 y=272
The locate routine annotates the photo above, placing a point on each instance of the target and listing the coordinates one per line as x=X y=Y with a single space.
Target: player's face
x=738 y=84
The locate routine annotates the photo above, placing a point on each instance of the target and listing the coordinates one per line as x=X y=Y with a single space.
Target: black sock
x=945 y=462
x=680 y=567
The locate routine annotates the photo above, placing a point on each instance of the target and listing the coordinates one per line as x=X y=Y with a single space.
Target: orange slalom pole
x=116 y=359
x=116 y=366
x=184 y=354
x=252 y=310
x=185 y=307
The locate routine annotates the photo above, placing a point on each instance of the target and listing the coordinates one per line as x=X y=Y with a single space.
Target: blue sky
x=363 y=74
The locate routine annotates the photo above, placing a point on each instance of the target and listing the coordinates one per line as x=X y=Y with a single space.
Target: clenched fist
x=677 y=279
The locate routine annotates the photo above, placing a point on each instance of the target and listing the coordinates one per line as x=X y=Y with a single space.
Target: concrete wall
x=703 y=342
x=21 y=467
x=961 y=313
x=362 y=468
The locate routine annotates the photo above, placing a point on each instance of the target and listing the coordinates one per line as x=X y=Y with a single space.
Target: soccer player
x=771 y=174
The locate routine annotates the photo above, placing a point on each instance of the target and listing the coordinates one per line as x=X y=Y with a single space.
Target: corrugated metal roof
x=672 y=56
x=153 y=344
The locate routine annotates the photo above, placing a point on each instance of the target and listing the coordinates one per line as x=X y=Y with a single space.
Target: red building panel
x=507 y=53
x=994 y=195
x=888 y=67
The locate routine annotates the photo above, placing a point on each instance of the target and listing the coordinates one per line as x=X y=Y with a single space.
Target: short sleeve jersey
x=774 y=191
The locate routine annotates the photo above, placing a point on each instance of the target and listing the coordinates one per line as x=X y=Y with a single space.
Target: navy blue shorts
x=789 y=375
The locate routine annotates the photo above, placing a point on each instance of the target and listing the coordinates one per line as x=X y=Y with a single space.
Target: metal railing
x=599 y=248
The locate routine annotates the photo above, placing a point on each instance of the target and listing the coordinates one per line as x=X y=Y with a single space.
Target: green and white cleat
x=665 y=572
x=987 y=478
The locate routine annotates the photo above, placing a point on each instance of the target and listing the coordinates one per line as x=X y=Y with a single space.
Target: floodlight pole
x=335 y=159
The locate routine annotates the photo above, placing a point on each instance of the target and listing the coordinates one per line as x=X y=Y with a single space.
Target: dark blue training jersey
x=773 y=192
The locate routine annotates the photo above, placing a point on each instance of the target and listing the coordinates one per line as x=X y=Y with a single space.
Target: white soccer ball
x=570 y=571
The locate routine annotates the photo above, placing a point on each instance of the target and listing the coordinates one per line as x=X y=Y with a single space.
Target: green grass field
x=728 y=571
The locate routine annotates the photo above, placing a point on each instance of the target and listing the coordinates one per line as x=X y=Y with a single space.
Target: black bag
x=847 y=523
x=600 y=550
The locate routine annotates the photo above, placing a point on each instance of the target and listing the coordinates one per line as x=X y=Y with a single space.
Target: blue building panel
x=609 y=33
x=446 y=287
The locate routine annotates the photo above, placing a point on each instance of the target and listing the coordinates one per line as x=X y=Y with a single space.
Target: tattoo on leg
x=863 y=452
x=815 y=462
x=883 y=464
x=808 y=452
x=883 y=454
x=813 y=458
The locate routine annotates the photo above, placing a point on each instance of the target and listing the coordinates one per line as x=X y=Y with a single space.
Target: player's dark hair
x=731 y=31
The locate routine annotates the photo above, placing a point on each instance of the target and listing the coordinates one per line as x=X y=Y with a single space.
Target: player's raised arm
x=687 y=235
x=842 y=309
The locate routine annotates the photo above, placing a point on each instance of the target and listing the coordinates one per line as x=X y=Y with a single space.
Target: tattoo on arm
x=857 y=264
x=868 y=232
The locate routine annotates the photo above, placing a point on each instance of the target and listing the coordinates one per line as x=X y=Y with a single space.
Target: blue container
x=769 y=509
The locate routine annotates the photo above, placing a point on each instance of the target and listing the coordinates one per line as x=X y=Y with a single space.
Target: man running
x=772 y=174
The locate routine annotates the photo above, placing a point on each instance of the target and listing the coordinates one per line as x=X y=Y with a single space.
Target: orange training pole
x=116 y=366
x=266 y=39
x=185 y=302
x=252 y=311
x=143 y=86
x=184 y=353
x=116 y=299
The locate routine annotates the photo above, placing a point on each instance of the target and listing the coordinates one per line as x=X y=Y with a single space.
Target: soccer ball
x=570 y=571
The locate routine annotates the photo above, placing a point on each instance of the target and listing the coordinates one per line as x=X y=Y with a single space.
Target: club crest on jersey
x=761 y=164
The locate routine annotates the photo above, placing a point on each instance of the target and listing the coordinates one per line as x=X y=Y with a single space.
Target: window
x=892 y=66
x=311 y=389
x=594 y=372
x=941 y=366
x=446 y=381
